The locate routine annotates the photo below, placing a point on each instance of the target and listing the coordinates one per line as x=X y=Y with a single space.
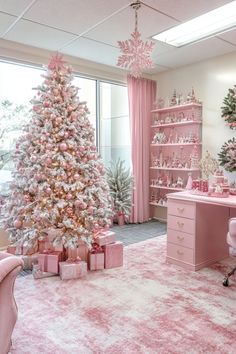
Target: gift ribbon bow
x=96 y=249
x=73 y=260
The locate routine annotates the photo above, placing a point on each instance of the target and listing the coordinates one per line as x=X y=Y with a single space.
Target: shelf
x=158 y=205
x=170 y=188
x=187 y=122
x=177 y=107
x=174 y=169
x=177 y=144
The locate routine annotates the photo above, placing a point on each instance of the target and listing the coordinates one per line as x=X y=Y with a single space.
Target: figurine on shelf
x=179 y=182
x=208 y=165
x=159 y=138
x=189 y=182
x=194 y=158
x=173 y=101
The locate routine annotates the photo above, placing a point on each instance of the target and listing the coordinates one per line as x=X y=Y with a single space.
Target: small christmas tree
x=59 y=179
x=228 y=111
x=120 y=182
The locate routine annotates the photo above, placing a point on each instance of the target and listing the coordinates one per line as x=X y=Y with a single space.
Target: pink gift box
x=105 y=238
x=45 y=245
x=11 y=249
x=113 y=255
x=39 y=274
x=29 y=261
x=96 y=261
x=72 y=270
x=81 y=252
x=48 y=262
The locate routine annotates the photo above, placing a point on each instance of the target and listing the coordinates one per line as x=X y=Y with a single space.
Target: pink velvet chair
x=231 y=240
x=10 y=266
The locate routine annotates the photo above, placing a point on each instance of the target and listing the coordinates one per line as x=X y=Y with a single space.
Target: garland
x=227 y=155
x=229 y=108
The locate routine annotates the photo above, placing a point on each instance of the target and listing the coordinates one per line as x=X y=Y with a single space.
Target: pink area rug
x=145 y=307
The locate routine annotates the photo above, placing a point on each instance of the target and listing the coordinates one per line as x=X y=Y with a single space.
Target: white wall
x=211 y=80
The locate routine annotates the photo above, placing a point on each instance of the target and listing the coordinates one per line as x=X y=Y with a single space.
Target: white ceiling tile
x=5 y=22
x=229 y=36
x=185 y=9
x=194 y=53
x=92 y=50
x=74 y=16
x=14 y=7
x=120 y=26
x=38 y=36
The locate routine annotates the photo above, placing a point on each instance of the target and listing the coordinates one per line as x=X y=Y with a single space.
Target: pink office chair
x=10 y=266
x=231 y=240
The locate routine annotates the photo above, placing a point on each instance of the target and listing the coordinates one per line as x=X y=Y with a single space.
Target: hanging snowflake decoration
x=229 y=108
x=135 y=53
x=227 y=155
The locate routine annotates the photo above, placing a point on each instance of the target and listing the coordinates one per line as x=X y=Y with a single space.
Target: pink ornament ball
x=46 y=104
x=17 y=224
x=66 y=135
x=69 y=196
x=77 y=203
x=48 y=190
x=81 y=148
x=63 y=146
x=69 y=108
x=33 y=158
x=73 y=115
x=76 y=176
x=96 y=226
x=90 y=209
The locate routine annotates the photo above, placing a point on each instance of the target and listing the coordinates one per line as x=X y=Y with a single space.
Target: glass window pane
x=114 y=123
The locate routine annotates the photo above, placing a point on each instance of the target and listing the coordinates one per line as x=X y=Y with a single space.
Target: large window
x=107 y=103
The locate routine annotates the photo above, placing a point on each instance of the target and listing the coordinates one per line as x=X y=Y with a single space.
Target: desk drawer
x=181 y=224
x=181 y=208
x=180 y=238
x=180 y=253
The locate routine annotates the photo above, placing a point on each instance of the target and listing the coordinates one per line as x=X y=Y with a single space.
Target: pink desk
x=197 y=228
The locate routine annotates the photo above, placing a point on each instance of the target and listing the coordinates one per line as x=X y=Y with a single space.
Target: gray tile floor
x=133 y=233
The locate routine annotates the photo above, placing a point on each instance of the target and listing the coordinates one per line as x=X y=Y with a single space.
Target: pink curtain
x=142 y=93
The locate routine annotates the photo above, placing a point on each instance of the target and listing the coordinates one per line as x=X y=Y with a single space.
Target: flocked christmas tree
x=59 y=178
x=229 y=108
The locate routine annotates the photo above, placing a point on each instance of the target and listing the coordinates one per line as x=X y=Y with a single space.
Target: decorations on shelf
x=208 y=165
x=135 y=53
x=227 y=155
x=220 y=186
x=228 y=111
x=120 y=182
x=178 y=98
x=59 y=179
x=175 y=149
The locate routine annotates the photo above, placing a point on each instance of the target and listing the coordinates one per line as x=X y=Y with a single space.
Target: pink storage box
x=96 y=261
x=72 y=270
x=49 y=262
x=105 y=238
x=113 y=255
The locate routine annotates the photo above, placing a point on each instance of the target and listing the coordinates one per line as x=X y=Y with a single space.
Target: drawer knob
x=180 y=224
x=180 y=210
x=180 y=253
x=180 y=238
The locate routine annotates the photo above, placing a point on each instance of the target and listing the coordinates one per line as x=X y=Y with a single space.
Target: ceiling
x=90 y=29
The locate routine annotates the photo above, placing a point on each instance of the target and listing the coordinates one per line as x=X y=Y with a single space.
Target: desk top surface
x=188 y=196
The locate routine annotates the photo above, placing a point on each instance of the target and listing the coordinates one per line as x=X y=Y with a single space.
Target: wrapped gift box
x=45 y=245
x=11 y=249
x=105 y=238
x=96 y=258
x=113 y=255
x=39 y=274
x=29 y=261
x=81 y=251
x=72 y=270
x=49 y=262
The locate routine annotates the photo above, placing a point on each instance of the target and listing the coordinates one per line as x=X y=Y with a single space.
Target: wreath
x=229 y=108
x=227 y=155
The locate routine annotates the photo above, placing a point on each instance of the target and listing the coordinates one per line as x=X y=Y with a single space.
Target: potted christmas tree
x=120 y=182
